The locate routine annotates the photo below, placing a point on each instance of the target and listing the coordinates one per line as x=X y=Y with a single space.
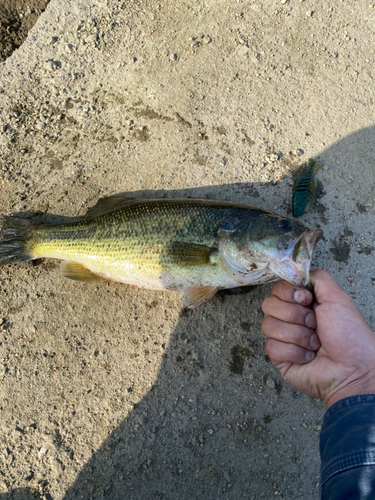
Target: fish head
x=263 y=243
x=285 y=245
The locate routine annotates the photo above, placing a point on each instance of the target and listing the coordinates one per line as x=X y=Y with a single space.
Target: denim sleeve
x=347 y=450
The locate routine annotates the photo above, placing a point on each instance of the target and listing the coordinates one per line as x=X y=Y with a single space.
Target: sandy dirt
x=111 y=392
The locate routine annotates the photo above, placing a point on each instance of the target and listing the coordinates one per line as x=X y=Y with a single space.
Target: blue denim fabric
x=347 y=450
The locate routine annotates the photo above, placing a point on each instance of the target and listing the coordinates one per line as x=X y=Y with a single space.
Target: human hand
x=327 y=352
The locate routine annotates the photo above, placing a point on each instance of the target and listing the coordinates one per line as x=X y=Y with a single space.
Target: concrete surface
x=117 y=393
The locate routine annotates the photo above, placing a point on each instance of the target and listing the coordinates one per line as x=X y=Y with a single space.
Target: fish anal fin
x=190 y=254
x=108 y=205
x=195 y=296
x=78 y=272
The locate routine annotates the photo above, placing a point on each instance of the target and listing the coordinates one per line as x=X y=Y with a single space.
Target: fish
x=195 y=246
x=304 y=192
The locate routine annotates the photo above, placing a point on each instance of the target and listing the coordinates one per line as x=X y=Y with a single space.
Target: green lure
x=304 y=193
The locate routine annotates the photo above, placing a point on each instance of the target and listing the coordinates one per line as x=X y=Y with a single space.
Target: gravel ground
x=17 y=17
x=113 y=392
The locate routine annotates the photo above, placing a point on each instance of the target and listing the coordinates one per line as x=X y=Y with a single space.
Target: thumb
x=326 y=289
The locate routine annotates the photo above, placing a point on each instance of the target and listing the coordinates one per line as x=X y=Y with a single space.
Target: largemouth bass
x=190 y=245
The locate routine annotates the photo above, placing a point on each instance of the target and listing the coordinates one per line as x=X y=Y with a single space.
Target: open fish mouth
x=293 y=264
x=312 y=238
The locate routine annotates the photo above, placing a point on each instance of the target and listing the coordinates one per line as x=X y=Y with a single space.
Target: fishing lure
x=304 y=192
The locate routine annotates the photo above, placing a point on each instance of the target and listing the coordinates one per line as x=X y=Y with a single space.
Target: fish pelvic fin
x=15 y=241
x=78 y=272
x=195 y=296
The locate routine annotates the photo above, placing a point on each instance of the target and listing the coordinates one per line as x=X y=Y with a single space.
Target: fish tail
x=313 y=165
x=15 y=240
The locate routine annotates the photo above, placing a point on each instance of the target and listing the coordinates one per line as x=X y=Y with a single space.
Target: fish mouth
x=312 y=238
x=293 y=264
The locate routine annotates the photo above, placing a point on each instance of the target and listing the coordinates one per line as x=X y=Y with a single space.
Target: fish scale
x=196 y=246
x=129 y=245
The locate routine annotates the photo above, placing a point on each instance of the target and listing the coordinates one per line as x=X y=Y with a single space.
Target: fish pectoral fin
x=189 y=254
x=78 y=272
x=195 y=296
x=108 y=205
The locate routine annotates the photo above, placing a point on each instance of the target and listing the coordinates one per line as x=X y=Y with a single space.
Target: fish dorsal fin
x=195 y=296
x=108 y=205
x=78 y=272
x=189 y=254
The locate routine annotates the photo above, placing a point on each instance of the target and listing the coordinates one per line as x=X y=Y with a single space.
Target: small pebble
x=270 y=383
x=53 y=65
x=42 y=451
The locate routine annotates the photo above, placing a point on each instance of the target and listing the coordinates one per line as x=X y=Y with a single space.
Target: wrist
x=352 y=389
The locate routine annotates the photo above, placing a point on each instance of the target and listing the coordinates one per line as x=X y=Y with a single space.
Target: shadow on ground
x=212 y=427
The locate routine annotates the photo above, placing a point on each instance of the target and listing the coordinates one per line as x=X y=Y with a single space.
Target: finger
x=289 y=293
x=290 y=313
x=279 y=352
x=290 y=334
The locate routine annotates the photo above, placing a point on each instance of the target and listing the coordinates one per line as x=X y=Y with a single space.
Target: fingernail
x=309 y=355
x=300 y=296
x=310 y=321
x=314 y=341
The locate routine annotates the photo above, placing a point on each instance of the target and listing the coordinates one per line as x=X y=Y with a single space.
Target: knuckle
x=267 y=304
x=293 y=315
x=265 y=325
x=300 y=336
x=269 y=349
x=264 y=305
x=278 y=288
x=282 y=287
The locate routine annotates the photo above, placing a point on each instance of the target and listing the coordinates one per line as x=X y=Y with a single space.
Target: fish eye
x=285 y=224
